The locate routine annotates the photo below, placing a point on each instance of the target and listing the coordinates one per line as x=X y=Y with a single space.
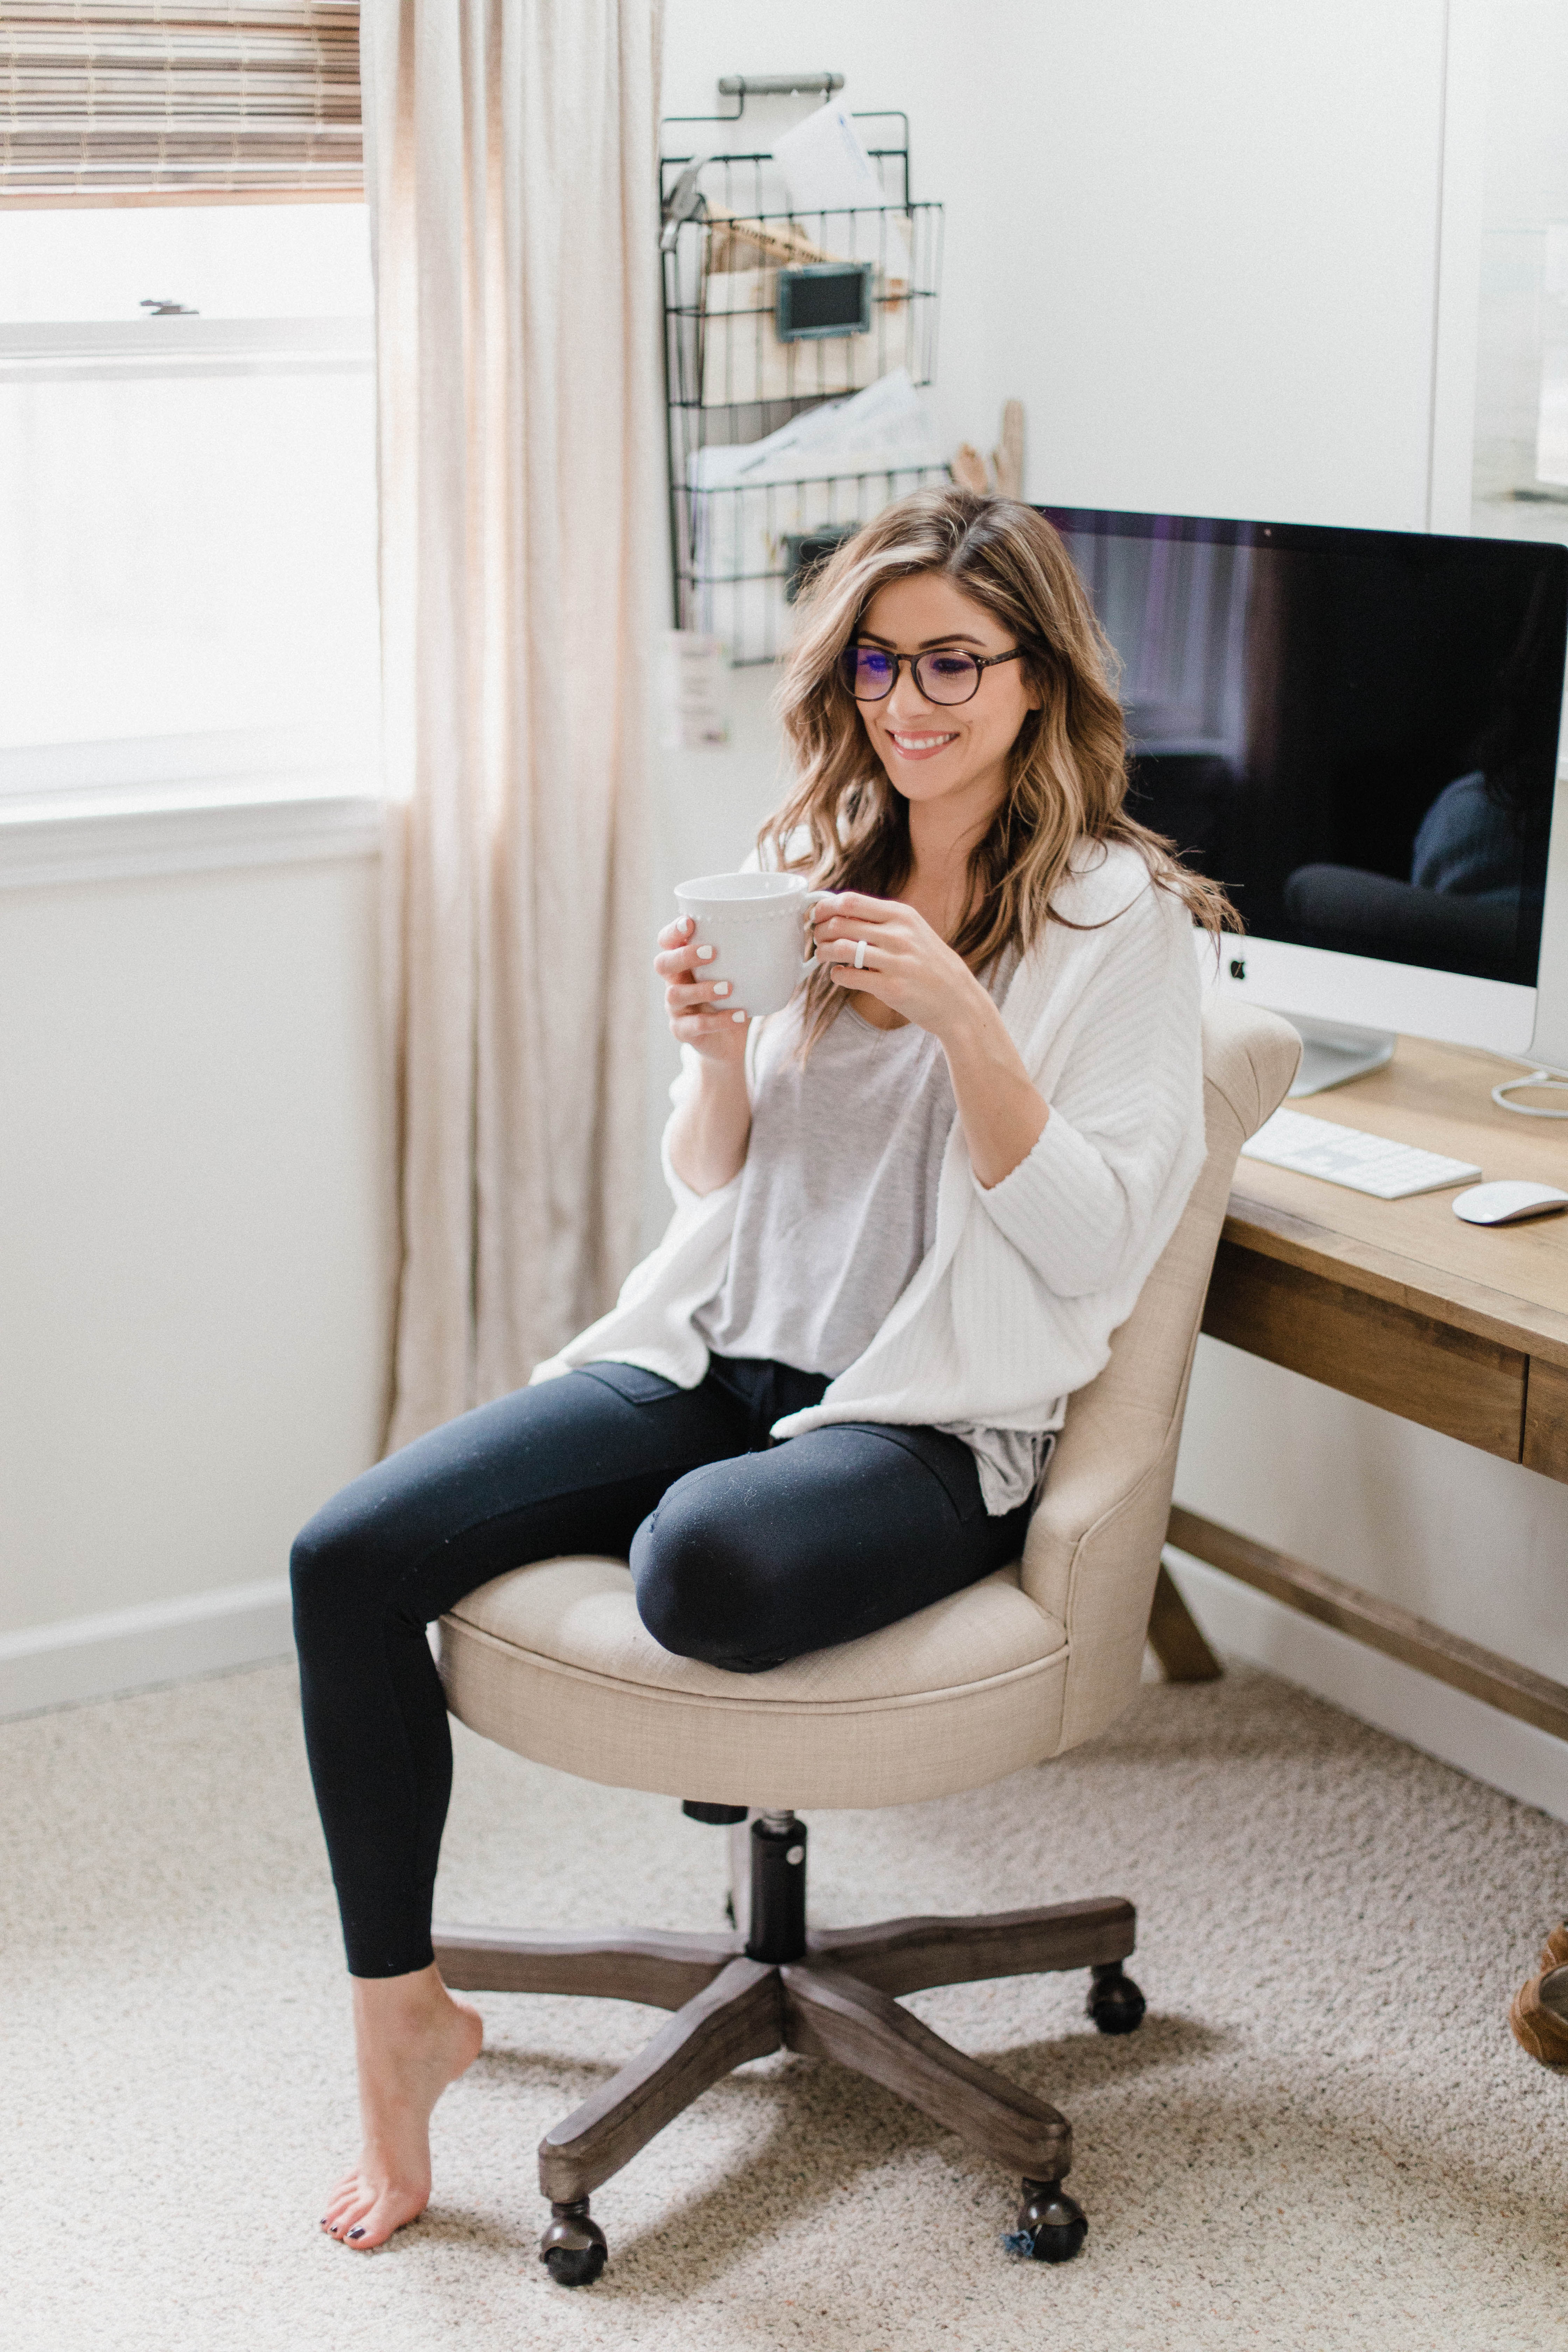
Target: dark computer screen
x=1354 y=730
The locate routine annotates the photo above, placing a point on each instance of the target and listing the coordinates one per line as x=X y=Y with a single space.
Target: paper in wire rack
x=837 y=464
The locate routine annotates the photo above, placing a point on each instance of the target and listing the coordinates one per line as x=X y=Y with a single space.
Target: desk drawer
x=1546 y=1420
x=1390 y=1356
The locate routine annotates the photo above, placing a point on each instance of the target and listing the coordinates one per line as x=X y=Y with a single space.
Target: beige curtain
x=510 y=158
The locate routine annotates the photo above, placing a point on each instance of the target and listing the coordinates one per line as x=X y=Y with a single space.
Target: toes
x=347 y=2194
x=364 y=2214
x=390 y=2211
x=350 y=2205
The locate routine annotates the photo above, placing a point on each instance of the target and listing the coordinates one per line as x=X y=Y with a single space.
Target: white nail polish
x=736 y=1016
x=706 y=955
x=720 y=988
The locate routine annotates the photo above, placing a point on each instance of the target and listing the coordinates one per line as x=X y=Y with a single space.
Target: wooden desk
x=1463 y=1327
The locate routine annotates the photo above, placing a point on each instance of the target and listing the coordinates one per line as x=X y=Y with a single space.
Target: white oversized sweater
x=1014 y=1304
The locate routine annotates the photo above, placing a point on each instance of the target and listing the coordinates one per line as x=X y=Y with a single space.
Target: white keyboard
x=1344 y=1155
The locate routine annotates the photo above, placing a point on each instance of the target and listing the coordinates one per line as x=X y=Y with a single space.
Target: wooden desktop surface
x=1464 y=1327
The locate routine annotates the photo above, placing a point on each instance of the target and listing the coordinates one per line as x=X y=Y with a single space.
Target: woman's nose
x=905 y=701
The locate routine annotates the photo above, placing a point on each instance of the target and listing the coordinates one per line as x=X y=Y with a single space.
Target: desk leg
x=1175 y=1638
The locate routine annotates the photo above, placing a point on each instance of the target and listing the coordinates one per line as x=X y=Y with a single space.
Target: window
x=187 y=500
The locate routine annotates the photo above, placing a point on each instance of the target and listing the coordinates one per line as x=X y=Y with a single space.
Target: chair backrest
x=1093 y=1548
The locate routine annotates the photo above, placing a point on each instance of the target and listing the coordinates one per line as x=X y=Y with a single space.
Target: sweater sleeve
x=682 y=1086
x=1080 y=1208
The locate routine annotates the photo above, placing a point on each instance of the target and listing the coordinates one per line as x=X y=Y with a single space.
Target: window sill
x=115 y=836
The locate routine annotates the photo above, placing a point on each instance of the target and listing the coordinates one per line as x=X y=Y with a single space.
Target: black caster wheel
x=572 y=2249
x=1052 y=2226
x=1114 y=2002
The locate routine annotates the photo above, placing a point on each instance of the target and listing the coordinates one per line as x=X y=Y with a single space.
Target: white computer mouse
x=1506 y=1203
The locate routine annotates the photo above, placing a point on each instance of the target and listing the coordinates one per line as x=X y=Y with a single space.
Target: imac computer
x=1356 y=732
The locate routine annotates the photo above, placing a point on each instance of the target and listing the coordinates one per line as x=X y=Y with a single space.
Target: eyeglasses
x=870 y=673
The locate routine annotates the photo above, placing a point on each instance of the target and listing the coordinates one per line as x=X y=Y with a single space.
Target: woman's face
x=932 y=750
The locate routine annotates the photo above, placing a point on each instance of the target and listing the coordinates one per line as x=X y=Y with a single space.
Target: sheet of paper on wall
x=892 y=422
x=837 y=465
x=1552 y=426
x=833 y=183
x=691 y=696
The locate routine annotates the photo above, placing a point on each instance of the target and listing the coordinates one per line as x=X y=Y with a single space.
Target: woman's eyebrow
x=948 y=637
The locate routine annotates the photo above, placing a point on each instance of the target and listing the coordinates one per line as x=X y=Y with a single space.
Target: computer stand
x=1333 y=1052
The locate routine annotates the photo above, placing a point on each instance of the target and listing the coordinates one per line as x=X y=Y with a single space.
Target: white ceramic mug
x=757 y=923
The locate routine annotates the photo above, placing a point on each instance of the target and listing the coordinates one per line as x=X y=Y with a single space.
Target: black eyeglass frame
x=983 y=662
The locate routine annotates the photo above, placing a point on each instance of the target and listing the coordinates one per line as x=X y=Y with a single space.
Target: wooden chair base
x=1540 y=2012
x=837 y=1998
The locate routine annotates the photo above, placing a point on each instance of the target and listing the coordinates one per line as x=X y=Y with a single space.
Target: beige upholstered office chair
x=553 y=1661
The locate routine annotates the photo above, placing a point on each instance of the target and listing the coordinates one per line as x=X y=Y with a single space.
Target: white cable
x=1555 y=1079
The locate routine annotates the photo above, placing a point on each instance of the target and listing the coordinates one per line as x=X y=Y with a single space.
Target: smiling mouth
x=913 y=746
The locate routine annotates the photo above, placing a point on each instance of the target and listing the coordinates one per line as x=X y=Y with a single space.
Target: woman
x=911 y=1211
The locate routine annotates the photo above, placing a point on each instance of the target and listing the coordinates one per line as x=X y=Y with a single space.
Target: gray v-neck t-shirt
x=838 y=1208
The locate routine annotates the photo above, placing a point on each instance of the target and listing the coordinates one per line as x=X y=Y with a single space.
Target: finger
x=880 y=915
x=862 y=908
x=838 y=952
x=690 y=1028
x=887 y=936
x=696 y=993
x=675 y=961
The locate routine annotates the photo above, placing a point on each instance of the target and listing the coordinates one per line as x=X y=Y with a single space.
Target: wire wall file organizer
x=799 y=346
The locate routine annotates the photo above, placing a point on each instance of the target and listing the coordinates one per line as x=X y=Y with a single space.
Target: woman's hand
x=698 y=1014
x=909 y=968
x=709 y=1132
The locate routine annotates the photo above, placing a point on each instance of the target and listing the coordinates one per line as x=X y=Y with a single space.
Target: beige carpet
x=1323 y=2137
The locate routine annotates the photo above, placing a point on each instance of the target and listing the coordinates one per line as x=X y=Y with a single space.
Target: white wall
x=194 y=1278
x=1201 y=243
x=1197 y=239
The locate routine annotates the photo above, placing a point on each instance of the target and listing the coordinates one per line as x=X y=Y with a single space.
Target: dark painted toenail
x=357 y=2233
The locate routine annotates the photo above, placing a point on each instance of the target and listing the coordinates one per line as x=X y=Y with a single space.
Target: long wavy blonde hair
x=847 y=828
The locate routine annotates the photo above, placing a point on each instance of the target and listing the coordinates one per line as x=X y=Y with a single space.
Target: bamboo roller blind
x=105 y=101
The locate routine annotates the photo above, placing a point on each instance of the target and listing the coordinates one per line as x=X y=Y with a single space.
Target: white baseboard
x=125 y=1649
x=1449 y=1724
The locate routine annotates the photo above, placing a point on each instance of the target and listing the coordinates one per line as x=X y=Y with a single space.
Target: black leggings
x=743 y=1553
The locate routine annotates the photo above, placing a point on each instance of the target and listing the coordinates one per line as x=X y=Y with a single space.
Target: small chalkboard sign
x=824 y=297
x=806 y=552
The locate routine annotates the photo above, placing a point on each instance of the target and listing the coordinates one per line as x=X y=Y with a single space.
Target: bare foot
x=411 y=2040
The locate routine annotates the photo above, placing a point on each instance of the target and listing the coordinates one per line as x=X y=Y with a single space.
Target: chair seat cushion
x=554 y=1662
